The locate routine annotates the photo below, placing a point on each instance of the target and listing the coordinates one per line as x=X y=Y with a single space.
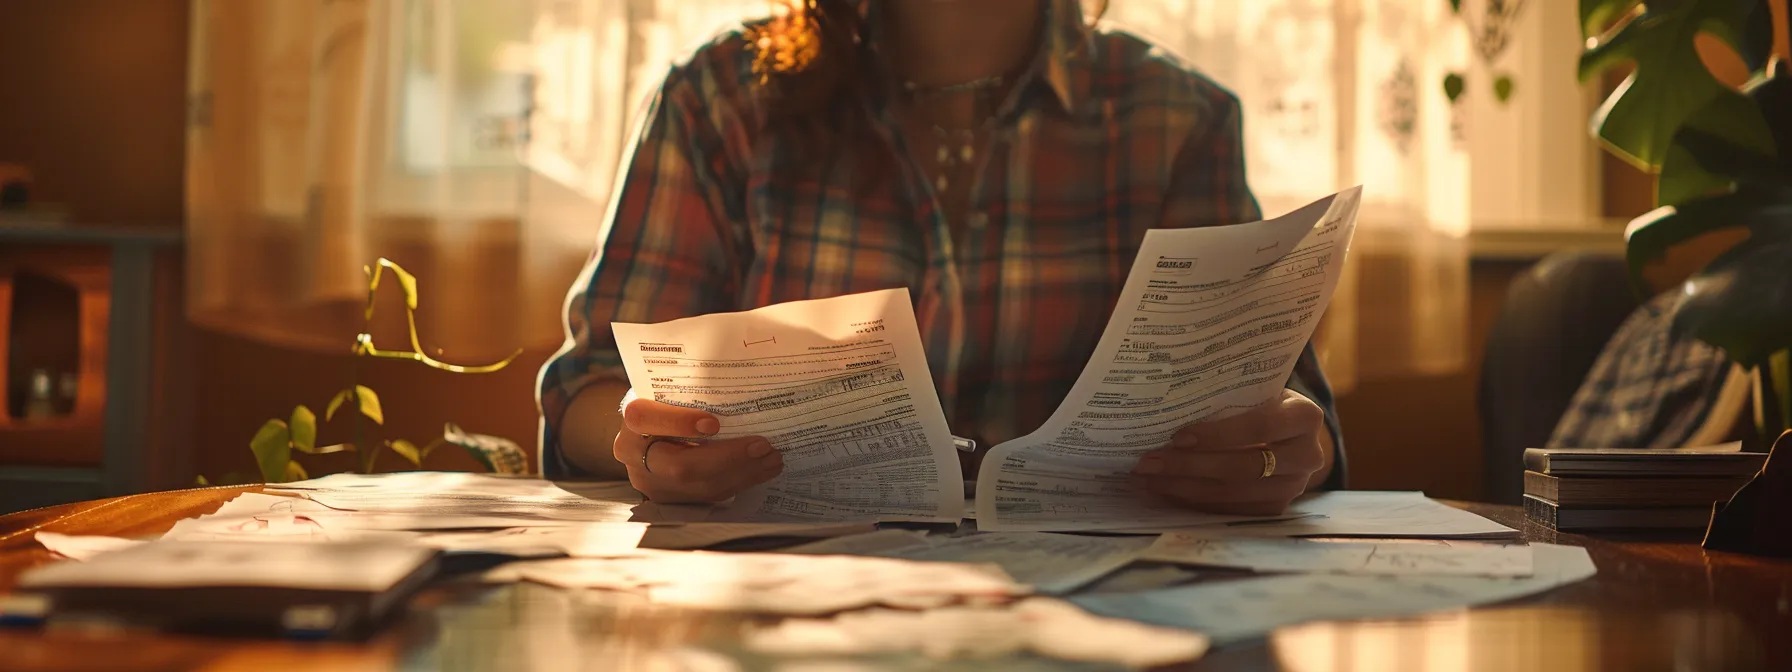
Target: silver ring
x=651 y=439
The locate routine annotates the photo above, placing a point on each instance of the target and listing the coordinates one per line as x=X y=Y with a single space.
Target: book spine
x=1542 y=485
x=1536 y=460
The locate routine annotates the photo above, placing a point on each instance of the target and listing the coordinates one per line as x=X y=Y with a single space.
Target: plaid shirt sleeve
x=1209 y=189
x=669 y=247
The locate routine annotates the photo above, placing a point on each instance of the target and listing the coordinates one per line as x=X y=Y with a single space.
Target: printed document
x=1209 y=324
x=1409 y=557
x=1229 y=611
x=840 y=386
x=1055 y=564
x=1354 y=513
x=434 y=493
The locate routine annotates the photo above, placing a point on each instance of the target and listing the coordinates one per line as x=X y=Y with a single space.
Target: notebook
x=1720 y=460
x=1550 y=514
x=1633 y=492
x=262 y=588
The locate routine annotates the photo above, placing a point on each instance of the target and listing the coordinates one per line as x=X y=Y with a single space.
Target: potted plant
x=278 y=439
x=1722 y=159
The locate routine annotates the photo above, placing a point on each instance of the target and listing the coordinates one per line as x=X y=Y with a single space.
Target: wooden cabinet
x=127 y=367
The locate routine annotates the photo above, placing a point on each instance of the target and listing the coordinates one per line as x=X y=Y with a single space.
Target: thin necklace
x=955 y=149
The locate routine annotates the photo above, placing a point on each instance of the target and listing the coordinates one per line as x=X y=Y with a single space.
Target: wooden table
x=1655 y=605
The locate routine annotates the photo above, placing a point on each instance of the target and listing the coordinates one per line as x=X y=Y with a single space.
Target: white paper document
x=590 y=540
x=367 y=567
x=778 y=583
x=258 y=517
x=1209 y=324
x=437 y=493
x=1413 y=557
x=83 y=547
x=1233 y=610
x=1038 y=626
x=841 y=388
x=1052 y=563
x=1354 y=513
x=879 y=543
x=694 y=536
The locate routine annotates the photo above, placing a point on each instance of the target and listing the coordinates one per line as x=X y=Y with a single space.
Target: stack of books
x=1628 y=489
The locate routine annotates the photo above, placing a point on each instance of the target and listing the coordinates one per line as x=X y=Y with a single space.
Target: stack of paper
x=439 y=494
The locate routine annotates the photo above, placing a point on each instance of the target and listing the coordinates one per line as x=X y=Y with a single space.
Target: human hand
x=1220 y=466
x=678 y=470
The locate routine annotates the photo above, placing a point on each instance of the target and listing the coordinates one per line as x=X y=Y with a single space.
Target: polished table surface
x=1654 y=605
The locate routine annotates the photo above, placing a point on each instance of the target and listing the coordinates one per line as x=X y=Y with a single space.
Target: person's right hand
x=680 y=470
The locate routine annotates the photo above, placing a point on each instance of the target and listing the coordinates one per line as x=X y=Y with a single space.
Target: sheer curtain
x=474 y=142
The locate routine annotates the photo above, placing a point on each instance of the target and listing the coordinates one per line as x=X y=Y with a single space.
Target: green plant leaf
x=337 y=402
x=1453 y=85
x=370 y=404
x=1455 y=6
x=1648 y=237
x=499 y=455
x=1502 y=88
x=200 y=480
x=1595 y=15
x=406 y=450
x=407 y=283
x=1670 y=83
x=304 y=429
x=1725 y=141
x=295 y=471
x=272 y=446
x=1740 y=301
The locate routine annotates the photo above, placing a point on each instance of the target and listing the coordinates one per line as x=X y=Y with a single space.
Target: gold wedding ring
x=1269 y=463
x=650 y=439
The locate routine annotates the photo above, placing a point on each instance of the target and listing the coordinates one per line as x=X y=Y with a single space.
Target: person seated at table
x=1002 y=159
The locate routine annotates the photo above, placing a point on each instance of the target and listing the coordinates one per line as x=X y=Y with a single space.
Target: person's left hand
x=1219 y=466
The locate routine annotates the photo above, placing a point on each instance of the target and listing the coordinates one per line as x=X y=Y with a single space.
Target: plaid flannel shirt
x=1647 y=389
x=1106 y=137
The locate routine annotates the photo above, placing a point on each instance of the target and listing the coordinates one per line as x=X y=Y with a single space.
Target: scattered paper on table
x=465 y=494
x=1233 y=610
x=1359 y=513
x=1039 y=626
x=1142 y=576
x=1435 y=557
x=366 y=567
x=694 y=536
x=1052 y=563
x=1209 y=324
x=876 y=543
x=839 y=385
x=589 y=540
x=777 y=583
x=83 y=547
